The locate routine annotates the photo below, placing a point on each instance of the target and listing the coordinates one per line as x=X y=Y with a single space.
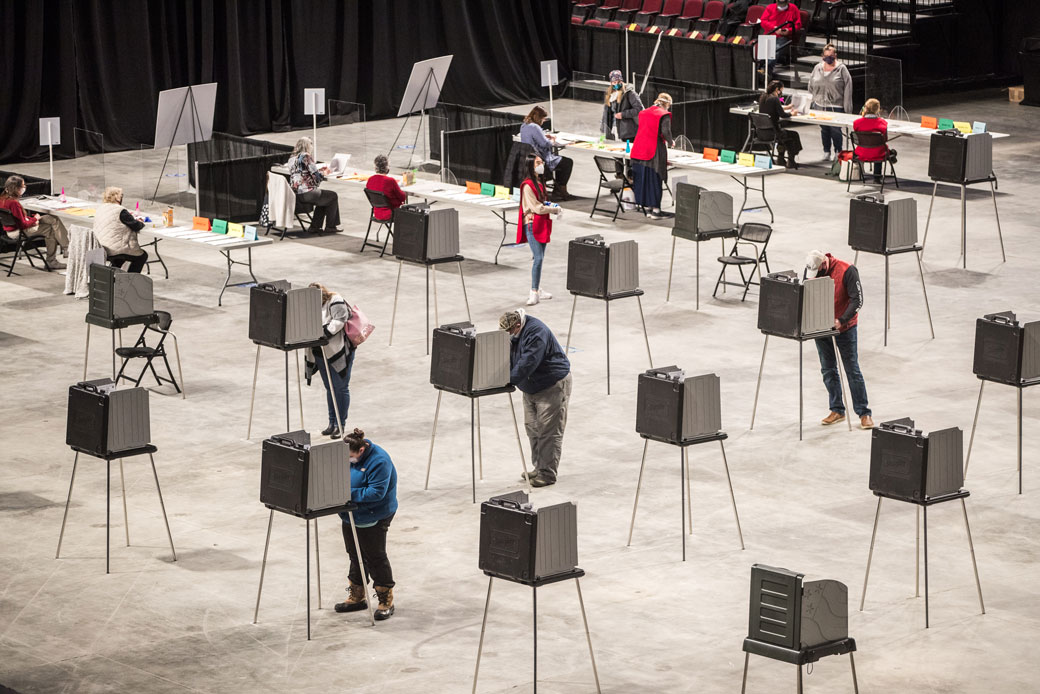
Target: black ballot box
x=954 y=157
x=790 y=308
x=422 y=233
x=909 y=465
x=700 y=212
x=280 y=316
x=103 y=419
x=465 y=361
x=789 y=612
x=673 y=407
x=877 y=225
x=599 y=269
x=1005 y=351
x=297 y=477
x=519 y=543
x=115 y=295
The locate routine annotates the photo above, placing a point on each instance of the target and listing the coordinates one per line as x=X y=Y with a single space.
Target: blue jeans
x=831 y=135
x=537 y=254
x=340 y=388
x=829 y=367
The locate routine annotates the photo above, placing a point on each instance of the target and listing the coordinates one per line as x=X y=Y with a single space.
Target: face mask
x=782 y=8
x=353 y=459
x=540 y=169
x=829 y=59
x=616 y=86
x=21 y=192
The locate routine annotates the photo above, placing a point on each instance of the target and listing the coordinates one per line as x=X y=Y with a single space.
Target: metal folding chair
x=872 y=139
x=615 y=184
x=23 y=244
x=141 y=350
x=377 y=199
x=755 y=236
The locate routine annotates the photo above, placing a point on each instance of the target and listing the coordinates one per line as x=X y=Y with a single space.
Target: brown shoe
x=386 y=603
x=832 y=418
x=355 y=599
x=865 y=422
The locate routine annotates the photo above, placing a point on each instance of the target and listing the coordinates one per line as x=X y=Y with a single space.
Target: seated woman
x=872 y=122
x=557 y=168
x=305 y=178
x=48 y=226
x=116 y=230
x=383 y=183
x=788 y=141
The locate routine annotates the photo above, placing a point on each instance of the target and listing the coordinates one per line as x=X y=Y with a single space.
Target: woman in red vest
x=650 y=155
x=872 y=122
x=534 y=226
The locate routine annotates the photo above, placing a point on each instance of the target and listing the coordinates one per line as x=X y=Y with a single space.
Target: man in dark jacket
x=848 y=300
x=542 y=372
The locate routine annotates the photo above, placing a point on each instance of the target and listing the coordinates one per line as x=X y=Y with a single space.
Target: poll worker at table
x=542 y=372
x=53 y=231
x=870 y=121
x=848 y=300
x=536 y=222
x=383 y=182
x=373 y=487
x=558 y=167
x=335 y=312
x=621 y=107
x=831 y=87
x=789 y=144
x=784 y=20
x=116 y=229
x=305 y=178
x=650 y=155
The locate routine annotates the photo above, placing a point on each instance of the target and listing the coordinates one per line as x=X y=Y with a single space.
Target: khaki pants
x=54 y=234
x=545 y=418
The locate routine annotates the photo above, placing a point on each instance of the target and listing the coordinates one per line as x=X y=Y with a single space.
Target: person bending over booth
x=383 y=182
x=116 y=230
x=48 y=226
x=305 y=179
x=559 y=168
x=650 y=155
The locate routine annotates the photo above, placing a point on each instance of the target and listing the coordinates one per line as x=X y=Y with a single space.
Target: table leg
x=870 y=555
x=249 y=261
x=588 y=636
x=227 y=279
x=68 y=499
x=433 y=436
x=974 y=565
x=263 y=566
x=732 y=498
x=393 y=315
x=974 y=423
x=252 y=395
x=758 y=383
x=639 y=484
x=483 y=628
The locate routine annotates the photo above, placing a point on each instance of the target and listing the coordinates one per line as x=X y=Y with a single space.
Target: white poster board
x=185 y=114
x=314 y=102
x=765 y=49
x=424 y=85
x=50 y=131
x=550 y=73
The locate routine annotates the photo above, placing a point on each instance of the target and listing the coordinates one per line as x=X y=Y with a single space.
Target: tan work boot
x=355 y=599
x=865 y=422
x=386 y=602
x=832 y=418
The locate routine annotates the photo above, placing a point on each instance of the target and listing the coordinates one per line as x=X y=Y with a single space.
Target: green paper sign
x=220 y=226
x=487 y=188
x=728 y=156
x=945 y=124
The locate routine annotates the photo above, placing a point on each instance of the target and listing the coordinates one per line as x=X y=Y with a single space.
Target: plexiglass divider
x=346 y=133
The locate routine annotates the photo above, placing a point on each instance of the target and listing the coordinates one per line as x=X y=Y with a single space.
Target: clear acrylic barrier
x=679 y=94
x=584 y=113
x=84 y=175
x=346 y=133
x=884 y=82
x=439 y=160
x=168 y=186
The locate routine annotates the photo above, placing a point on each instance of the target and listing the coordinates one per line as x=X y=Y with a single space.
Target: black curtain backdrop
x=100 y=64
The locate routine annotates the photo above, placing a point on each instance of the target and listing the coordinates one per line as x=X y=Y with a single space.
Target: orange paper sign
x=929 y=122
x=473 y=187
x=200 y=223
x=711 y=154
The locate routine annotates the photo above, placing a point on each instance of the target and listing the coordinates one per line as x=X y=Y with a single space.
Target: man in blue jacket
x=542 y=372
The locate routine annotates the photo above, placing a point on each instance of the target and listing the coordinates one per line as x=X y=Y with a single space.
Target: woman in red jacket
x=872 y=122
x=383 y=183
x=650 y=154
x=48 y=226
x=535 y=224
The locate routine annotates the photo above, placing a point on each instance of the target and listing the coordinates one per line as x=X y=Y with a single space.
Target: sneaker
x=532 y=298
x=655 y=214
x=865 y=422
x=543 y=295
x=828 y=156
x=540 y=480
x=832 y=418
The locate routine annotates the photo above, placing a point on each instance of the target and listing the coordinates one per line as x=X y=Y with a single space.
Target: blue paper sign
x=762 y=161
x=250 y=233
x=978 y=127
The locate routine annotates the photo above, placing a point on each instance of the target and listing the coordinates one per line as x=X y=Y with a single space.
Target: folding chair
x=872 y=139
x=764 y=136
x=377 y=199
x=23 y=244
x=756 y=236
x=613 y=166
x=141 y=350
x=301 y=210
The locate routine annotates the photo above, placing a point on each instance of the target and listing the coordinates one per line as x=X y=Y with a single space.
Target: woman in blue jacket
x=373 y=487
x=558 y=168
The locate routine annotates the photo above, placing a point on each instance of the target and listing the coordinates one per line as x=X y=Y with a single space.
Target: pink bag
x=358 y=327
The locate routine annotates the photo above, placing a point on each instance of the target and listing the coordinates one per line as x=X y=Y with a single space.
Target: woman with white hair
x=305 y=178
x=650 y=154
x=115 y=228
x=383 y=182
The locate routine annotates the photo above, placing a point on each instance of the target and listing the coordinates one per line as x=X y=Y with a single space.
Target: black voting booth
x=306 y=481
x=117 y=300
x=700 y=215
x=607 y=272
x=962 y=160
x=473 y=365
x=797 y=621
x=682 y=411
x=430 y=238
x=921 y=469
x=1008 y=353
x=799 y=311
x=531 y=547
x=111 y=424
x=886 y=228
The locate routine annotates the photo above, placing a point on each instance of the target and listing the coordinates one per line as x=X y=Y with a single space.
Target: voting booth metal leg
x=519 y=445
x=743 y=682
x=855 y=682
x=732 y=497
x=924 y=291
x=483 y=629
x=971 y=548
x=162 y=506
x=436 y=309
x=800 y=690
x=393 y=315
x=335 y=408
x=689 y=494
x=433 y=436
x=758 y=383
x=534 y=636
x=114 y=353
x=263 y=566
x=465 y=296
x=974 y=423
x=964 y=231
x=870 y=556
x=888 y=306
x=928 y=221
x=607 y=305
x=671 y=264
x=801 y=396
x=108 y=512
x=570 y=326
x=480 y=445
x=473 y=446
x=646 y=338
x=122 y=487
x=1019 y=440
x=86 y=353
x=299 y=387
x=841 y=381
x=65 y=516
x=252 y=395
x=917 y=554
x=682 y=491
x=317 y=560
x=308 y=554
x=924 y=512
x=993 y=192
x=639 y=484
x=588 y=636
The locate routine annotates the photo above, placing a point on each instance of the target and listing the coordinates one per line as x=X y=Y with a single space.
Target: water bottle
x=628 y=146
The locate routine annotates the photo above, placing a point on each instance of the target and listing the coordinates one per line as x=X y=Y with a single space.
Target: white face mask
x=353 y=459
x=540 y=169
x=21 y=192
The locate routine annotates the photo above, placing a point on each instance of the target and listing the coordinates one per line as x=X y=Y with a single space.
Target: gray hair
x=382 y=164
x=304 y=144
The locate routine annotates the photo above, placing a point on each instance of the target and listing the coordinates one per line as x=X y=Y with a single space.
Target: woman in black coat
x=621 y=107
x=789 y=142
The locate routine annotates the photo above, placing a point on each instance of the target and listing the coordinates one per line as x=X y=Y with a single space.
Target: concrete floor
x=658 y=624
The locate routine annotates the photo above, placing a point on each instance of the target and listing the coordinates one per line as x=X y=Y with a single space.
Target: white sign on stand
x=550 y=77
x=314 y=105
x=50 y=135
x=765 y=50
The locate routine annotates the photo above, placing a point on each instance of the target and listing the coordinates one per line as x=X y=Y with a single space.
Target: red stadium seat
x=714 y=10
x=605 y=12
x=593 y=23
x=671 y=11
x=754 y=14
x=612 y=25
x=693 y=9
x=645 y=17
x=625 y=14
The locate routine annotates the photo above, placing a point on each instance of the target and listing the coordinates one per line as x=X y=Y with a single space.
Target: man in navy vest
x=848 y=300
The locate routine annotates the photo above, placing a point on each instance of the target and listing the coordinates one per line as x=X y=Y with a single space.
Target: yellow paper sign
x=962 y=126
x=236 y=230
x=502 y=192
x=746 y=159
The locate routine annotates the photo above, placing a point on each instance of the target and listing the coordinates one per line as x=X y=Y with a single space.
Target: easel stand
x=115 y=326
x=917 y=250
x=116 y=455
x=196 y=131
x=992 y=179
x=299 y=389
x=721 y=236
x=535 y=585
x=421 y=96
x=606 y=303
x=308 y=517
x=1020 y=387
x=684 y=486
x=475 y=447
x=802 y=339
x=922 y=505
x=430 y=265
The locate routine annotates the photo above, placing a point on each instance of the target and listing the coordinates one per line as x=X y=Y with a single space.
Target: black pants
x=790 y=142
x=373 y=551
x=562 y=173
x=137 y=262
x=326 y=208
